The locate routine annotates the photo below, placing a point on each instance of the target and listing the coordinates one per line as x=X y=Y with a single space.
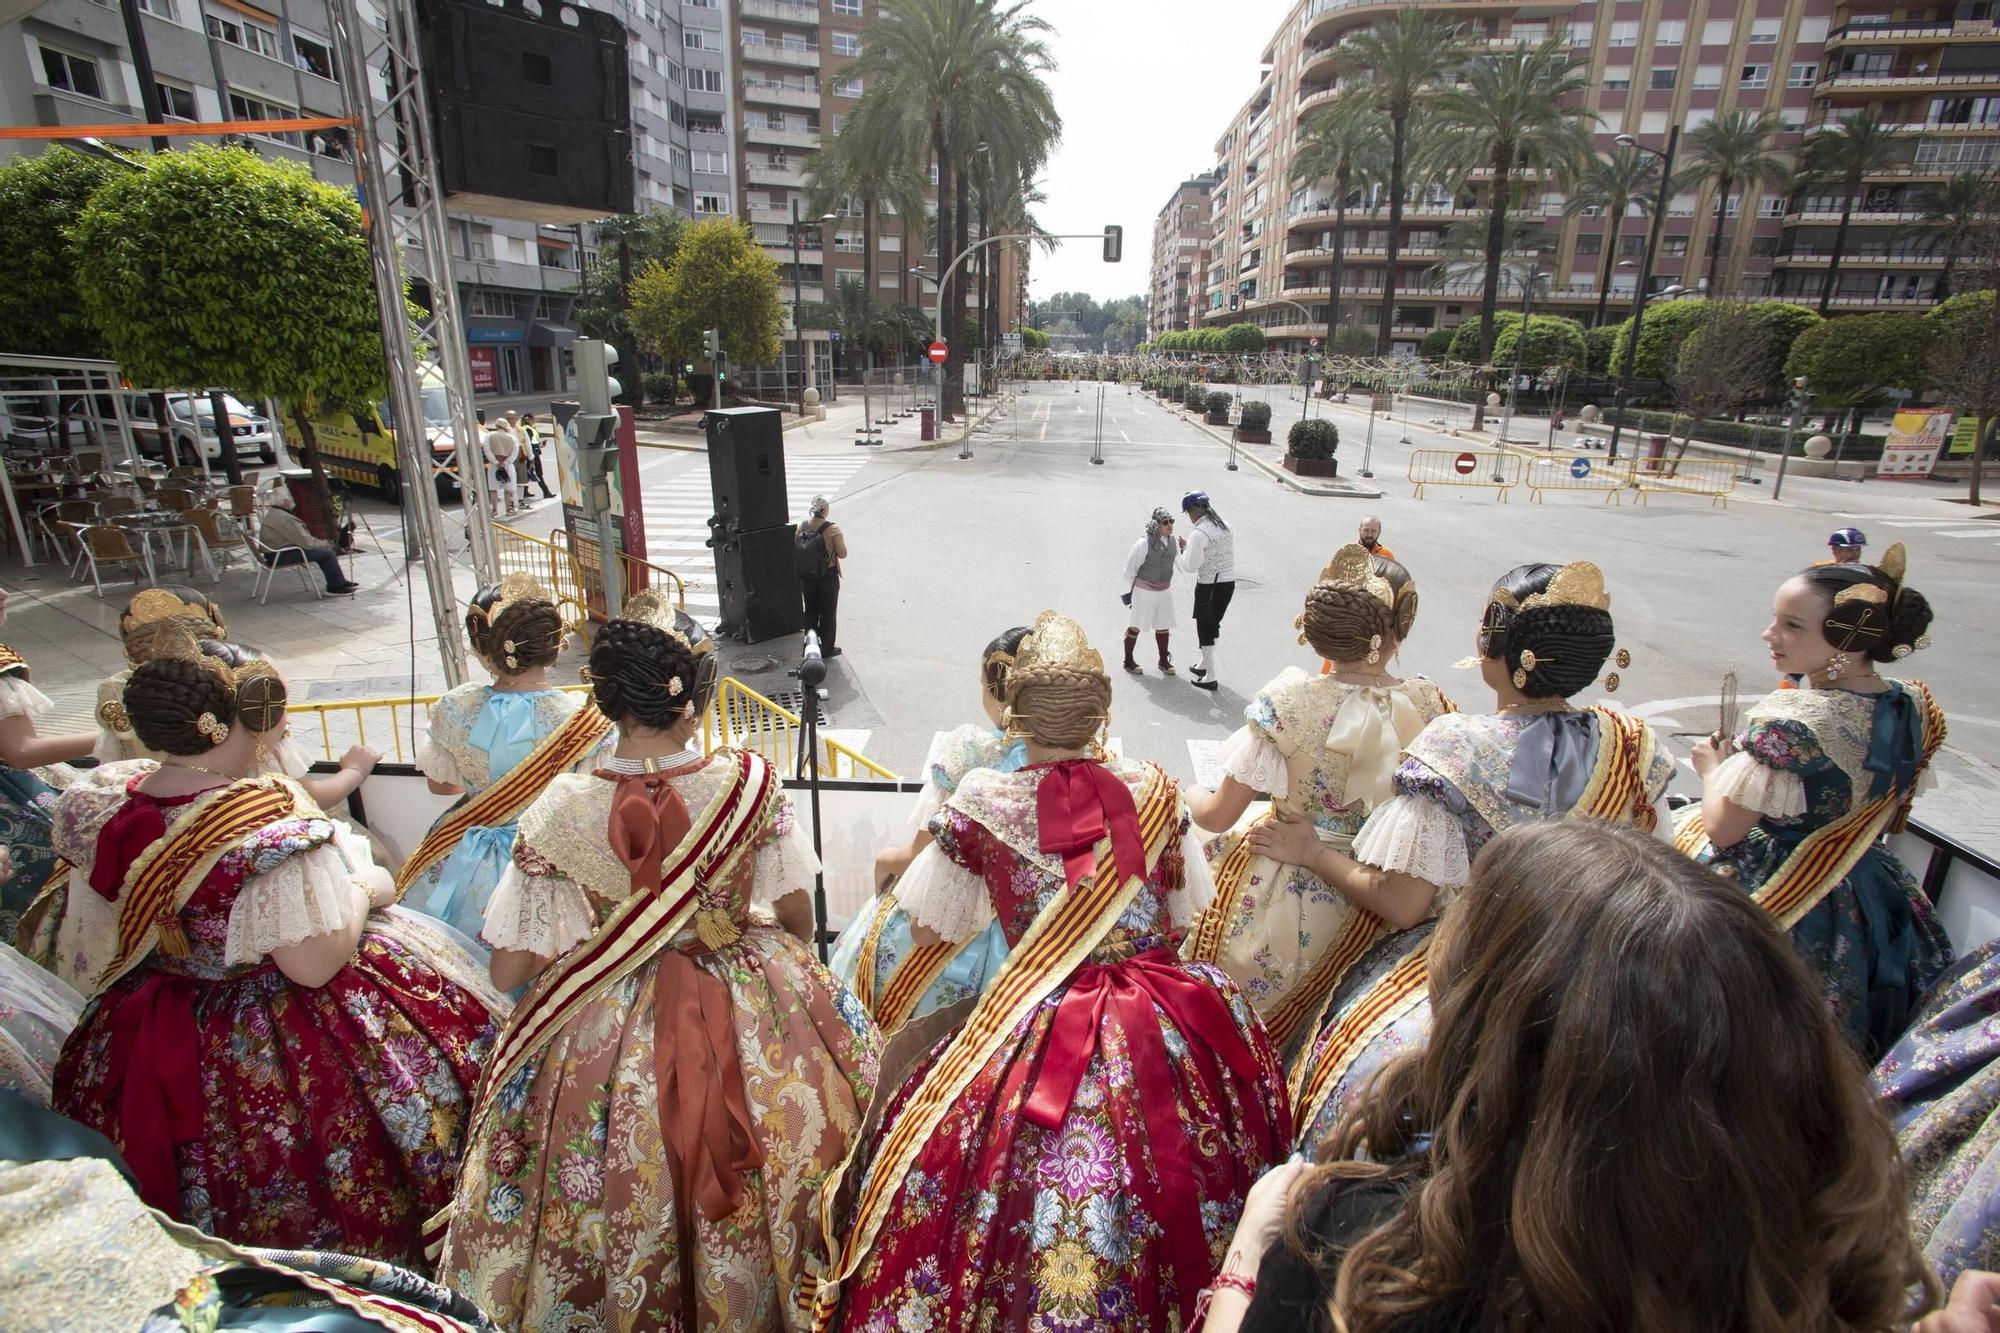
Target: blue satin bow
x=480 y=858
x=1552 y=761
x=1895 y=743
x=506 y=729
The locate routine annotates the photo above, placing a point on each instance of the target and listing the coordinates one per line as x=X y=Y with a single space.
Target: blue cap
x=1848 y=537
x=1194 y=500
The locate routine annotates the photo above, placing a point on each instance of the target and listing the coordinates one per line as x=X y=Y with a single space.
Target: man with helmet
x=1209 y=553
x=1844 y=547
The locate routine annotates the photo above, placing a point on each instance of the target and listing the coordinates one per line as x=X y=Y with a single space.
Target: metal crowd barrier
x=1486 y=469
x=574 y=576
x=1578 y=472
x=1715 y=478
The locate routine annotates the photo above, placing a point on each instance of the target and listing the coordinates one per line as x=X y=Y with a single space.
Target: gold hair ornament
x=1579 y=583
x=159 y=604
x=1374 y=648
x=111 y=713
x=214 y=728
x=1354 y=566
x=1056 y=643
x=513 y=588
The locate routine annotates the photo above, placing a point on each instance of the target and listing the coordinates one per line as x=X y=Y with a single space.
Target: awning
x=543 y=334
x=481 y=329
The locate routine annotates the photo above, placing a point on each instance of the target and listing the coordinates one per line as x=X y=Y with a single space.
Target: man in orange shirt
x=1371 y=537
x=1844 y=547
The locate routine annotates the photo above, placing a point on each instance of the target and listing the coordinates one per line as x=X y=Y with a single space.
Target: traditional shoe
x=1206 y=684
x=1197 y=673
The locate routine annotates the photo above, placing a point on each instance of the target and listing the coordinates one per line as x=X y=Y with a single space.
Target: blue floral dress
x=953 y=754
x=27 y=807
x=1805 y=758
x=477 y=735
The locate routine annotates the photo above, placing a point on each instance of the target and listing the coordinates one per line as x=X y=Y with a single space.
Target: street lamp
x=1520 y=346
x=1645 y=273
x=798 y=295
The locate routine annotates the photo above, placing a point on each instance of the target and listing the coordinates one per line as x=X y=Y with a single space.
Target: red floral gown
x=1166 y=1099
x=265 y=1112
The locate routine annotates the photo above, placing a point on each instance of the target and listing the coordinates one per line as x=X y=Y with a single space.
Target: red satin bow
x=704 y=1114
x=648 y=820
x=155 y=1082
x=1076 y=801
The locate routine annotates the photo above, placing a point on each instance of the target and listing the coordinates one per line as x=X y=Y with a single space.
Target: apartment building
x=1932 y=67
x=1180 y=255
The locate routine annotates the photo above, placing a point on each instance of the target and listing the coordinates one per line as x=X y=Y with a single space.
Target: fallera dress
x=37 y=1013
x=27 y=801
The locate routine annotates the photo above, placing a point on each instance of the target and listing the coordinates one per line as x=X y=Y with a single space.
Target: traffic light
x=1114 y=244
x=711 y=344
x=596 y=423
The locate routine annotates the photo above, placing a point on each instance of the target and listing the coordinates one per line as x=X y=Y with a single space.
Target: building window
x=71 y=73
x=1802 y=76
x=1681 y=206
x=846 y=243
x=1673 y=246
x=705 y=80
x=313 y=56
x=934 y=173
x=176 y=102
x=1707 y=77
x=847 y=88
x=701 y=4
x=1663 y=78
x=251 y=108
x=1771 y=206
x=709 y=163
x=1590 y=243
x=847 y=6
x=695 y=39
x=709 y=203
x=246 y=33
x=1618 y=79
x=1764 y=30
x=847 y=43
x=889 y=245
x=1579 y=34
x=1716 y=32
x=673 y=72
x=165 y=9
x=1756 y=76
x=1625 y=34
x=1670 y=33
x=839 y=121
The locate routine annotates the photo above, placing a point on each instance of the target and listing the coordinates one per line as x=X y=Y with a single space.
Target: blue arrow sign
x=1579 y=468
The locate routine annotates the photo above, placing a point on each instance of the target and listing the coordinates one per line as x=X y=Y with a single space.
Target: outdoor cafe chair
x=103 y=545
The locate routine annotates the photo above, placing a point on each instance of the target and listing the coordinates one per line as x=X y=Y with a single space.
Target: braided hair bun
x=641 y=674
x=1552 y=649
x=1405 y=587
x=1345 y=623
x=527 y=633
x=1870 y=611
x=1058 y=693
x=998 y=660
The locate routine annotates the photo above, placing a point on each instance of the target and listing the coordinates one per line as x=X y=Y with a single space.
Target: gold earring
x=1836 y=667
x=260 y=753
x=1611 y=683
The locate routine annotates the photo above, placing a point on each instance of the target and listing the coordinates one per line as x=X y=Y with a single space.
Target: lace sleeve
x=434 y=757
x=1418 y=837
x=939 y=893
x=542 y=914
x=1197 y=888
x=1253 y=760
x=17 y=696
x=1746 y=781
x=784 y=862
x=312 y=892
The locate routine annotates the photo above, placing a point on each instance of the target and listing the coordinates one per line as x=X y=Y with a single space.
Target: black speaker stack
x=751 y=532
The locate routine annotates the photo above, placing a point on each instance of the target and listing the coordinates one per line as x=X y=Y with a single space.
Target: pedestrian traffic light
x=711 y=344
x=595 y=388
x=1114 y=244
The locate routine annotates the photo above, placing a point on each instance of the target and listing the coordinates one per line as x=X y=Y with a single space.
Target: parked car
x=187 y=413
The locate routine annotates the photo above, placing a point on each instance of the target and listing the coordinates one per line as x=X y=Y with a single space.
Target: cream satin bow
x=1371 y=728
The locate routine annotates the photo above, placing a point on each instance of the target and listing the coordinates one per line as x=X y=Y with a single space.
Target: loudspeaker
x=746 y=468
x=531 y=106
x=759 y=590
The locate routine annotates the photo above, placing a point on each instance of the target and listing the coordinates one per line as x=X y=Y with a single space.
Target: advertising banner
x=1915 y=440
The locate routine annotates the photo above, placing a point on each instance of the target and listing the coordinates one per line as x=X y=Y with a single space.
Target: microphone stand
x=811 y=672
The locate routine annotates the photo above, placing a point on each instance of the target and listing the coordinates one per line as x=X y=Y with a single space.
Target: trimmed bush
x=1195 y=394
x=1218 y=403
x=1315 y=438
x=1436 y=345
x=1256 y=415
x=659 y=387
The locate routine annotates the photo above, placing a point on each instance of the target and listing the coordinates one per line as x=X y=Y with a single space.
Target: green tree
x=1965 y=349
x=41 y=199
x=1846 y=154
x=1601 y=341
x=1351 y=341
x=213 y=266
x=1950 y=214
x=1734 y=149
x=1611 y=184
x=1242 y=340
x=1341 y=143
x=1034 y=340
x=1667 y=323
x=1400 y=61
x=719 y=279
x=1717 y=368
x=1552 y=341
x=625 y=245
x=872 y=161
x=1436 y=345
x=1853 y=361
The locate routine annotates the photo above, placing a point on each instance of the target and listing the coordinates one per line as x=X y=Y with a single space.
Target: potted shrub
x=1194 y=396
x=1310 y=448
x=1255 y=427
x=1218 y=408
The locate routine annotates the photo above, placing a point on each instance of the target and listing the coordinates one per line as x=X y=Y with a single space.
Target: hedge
x=1312 y=438
x=1256 y=415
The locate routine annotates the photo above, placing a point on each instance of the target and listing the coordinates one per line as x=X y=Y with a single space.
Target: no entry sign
x=1464 y=464
x=938 y=352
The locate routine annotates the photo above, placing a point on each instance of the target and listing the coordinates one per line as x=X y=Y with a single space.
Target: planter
x=1218 y=418
x=1312 y=467
x=1254 y=437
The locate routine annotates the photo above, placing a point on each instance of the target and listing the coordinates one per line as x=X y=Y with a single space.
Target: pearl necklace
x=679 y=762
x=212 y=772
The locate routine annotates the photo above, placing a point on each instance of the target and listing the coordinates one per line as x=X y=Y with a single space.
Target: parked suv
x=250 y=431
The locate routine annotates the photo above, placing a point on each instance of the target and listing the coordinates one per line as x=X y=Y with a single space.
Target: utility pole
x=1645 y=275
x=1800 y=397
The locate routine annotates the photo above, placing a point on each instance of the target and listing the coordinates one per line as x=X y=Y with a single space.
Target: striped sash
x=1307 y=1001
x=629 y=937
x=503 y=802
x=1211 y=928
x=1058 y=942
x=1825 y=856
x=11 y=661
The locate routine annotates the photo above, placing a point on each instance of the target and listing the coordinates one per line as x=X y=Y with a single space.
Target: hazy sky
x=1145 y=87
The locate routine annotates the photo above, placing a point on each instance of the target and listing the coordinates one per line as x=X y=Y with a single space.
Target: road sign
x=1010 y=342
x=1464 y=464
x=1579 y=468
x=938 y=352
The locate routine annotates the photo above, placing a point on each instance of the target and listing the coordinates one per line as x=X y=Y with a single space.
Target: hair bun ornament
x=1903 y=650
x=1055 y=646
x=1895 y=566
x=154 y=604
x=516 y=587
x=212 y=727
x=111 y=714
x=1579 y=583
x=1354 y=566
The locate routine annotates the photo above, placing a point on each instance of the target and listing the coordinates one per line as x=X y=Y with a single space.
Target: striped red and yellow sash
x=1306 y=1002
x=1826 y=855
x=503 y=802
x=912 y=977
x=11 y=661
x=641 y=926
x=1211 y=928
x=1385 y=1002
x=1616 y=790
x=1058 y=942
x=158 y=885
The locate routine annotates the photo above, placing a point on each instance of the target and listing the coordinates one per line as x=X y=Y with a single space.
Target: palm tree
x=1847 y=153
x=1506 y=112
x=869 y=162
x=1951 y=213
x=1612 y=184
x=1342 y=142
x=1731 y=150
x=1404 y=58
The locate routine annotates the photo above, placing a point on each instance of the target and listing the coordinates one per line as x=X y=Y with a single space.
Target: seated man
x=282 y=529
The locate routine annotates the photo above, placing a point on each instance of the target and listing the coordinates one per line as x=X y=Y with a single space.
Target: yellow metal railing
x=572 y=574
x=737 y=716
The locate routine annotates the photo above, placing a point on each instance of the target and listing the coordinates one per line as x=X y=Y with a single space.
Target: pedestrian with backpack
x=817 y=550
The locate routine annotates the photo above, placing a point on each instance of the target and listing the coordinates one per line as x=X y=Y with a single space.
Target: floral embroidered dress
x=1090 y=1174
x=1940 y=1084
x=37 y=1012
x=1466 y=777
x=477 y=735
x=1326 y=753
x=27 y=801
x=1807 y=757
x=953 y=754
x=575 y=1210
x=260 y=1110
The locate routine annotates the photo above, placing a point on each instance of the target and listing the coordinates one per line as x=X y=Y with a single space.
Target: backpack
x=809 y=557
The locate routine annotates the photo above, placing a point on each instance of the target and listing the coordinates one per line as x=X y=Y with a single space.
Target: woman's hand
x=1974 y=1306
x=361 y=759
x=1263 y=1218
x=1286 y=839
x=1710 y=753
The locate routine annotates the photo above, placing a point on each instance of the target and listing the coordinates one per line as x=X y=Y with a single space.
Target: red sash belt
x=703 y=1114
x=1128 y=992
x=155 y=1081
x=1077 y=803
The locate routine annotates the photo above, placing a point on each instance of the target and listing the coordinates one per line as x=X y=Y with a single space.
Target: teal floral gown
x=27 y=802
x=1806 y=758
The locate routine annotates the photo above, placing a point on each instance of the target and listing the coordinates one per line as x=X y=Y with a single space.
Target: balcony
x=775 y=216
x=767 y=93
x=755 y=131
x=1903 y=217
x=798 y=56
x=1318 y=59
x=783 y=11
x=763 y=173
x=1974 y=81
x=1324 y=18
x=1889 y=34
x=1312 y=99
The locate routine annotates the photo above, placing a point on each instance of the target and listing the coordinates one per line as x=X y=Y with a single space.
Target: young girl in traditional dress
x=1796 y=805
x=1325 y=748
x=278 y=1064
x=28 y=796
x=1074 y=1155
x=481 y=743
x=875 y=955
x=1545 y=634
x=683 y=1074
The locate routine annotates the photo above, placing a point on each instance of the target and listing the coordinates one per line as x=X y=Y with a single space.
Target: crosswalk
x=678 y=509
x=1957 y=529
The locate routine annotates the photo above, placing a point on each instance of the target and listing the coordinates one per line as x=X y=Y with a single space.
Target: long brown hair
x=1639 y=1117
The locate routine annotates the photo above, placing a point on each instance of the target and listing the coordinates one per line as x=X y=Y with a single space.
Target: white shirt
x=1210 y=553
x=501 y=446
